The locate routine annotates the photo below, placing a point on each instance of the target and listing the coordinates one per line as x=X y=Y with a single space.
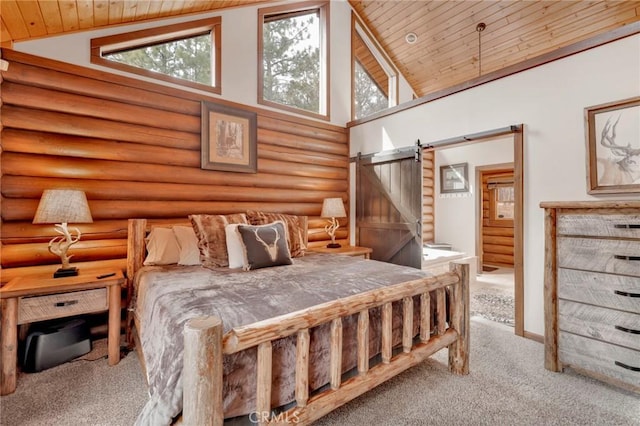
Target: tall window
x=292 y=49
x=374 y=79
x=186 y=54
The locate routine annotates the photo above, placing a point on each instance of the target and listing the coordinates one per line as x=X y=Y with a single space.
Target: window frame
x=325 y=97
x=159 y=35
x=358 y=27
x=492 y=188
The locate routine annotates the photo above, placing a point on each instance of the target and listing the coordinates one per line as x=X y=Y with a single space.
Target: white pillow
x=235 y=248
x=188 y=243
x=162 y=247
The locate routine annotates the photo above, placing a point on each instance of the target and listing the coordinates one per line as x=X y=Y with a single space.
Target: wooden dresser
x=592 y=289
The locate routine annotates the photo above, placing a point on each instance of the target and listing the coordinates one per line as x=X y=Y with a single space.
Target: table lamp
x=333 y=207
x=61 y=206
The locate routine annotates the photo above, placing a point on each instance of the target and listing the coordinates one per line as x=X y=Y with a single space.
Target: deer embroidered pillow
x=264 y=245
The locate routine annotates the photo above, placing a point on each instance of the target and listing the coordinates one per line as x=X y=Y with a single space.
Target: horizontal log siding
x=497 y=241
x=134 y=148
x=428 y=190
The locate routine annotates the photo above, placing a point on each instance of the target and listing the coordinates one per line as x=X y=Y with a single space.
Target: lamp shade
x=63 y=206
x=333 y=207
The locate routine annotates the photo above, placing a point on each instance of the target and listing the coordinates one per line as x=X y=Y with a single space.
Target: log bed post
x=336 y=353
x=459 y=350
x=136 y=232
x=202 y=377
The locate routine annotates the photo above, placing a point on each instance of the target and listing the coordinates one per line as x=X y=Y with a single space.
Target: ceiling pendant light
x=480 y=28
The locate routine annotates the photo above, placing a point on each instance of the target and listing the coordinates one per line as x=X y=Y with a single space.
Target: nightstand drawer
x=40 y=308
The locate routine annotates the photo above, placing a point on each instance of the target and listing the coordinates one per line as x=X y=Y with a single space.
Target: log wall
x=134 y=148
x=428 y=198
x=497 y=238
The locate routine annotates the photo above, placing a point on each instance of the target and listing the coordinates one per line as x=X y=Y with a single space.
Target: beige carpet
x=507 y=386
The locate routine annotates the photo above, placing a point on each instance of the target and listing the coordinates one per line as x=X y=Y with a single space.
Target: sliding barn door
x=389 y=206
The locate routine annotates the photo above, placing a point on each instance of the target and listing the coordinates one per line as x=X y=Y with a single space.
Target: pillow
x=264 y=245
x=211 y=237
x=188 y=243
x=162 y=247
x=295 y=237
x=235 y=249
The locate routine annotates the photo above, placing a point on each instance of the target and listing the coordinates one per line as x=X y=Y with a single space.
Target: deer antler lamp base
x=60 y=245
x=331 y=230
x=332 y=208
x=63 y=205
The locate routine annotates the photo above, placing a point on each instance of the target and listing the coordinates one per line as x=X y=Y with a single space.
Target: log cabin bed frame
x=205 y=344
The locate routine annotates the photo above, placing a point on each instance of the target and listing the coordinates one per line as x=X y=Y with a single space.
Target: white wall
x=549 y=100
x=239 y=54
x=455 y=214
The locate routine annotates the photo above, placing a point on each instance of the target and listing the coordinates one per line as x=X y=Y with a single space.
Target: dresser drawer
x=611 y=291
x=607 y=325
x=50 y=306
x=600 y=255
x=599 y=225
x=604 y=359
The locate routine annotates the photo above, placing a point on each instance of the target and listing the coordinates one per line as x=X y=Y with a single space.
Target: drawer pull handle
x=628 y=367
x=626 y=293
x=627 y=226
x=66 y=303
x=627 y=330
x=617 y=256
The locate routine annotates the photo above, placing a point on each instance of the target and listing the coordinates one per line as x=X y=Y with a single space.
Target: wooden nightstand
x=40 y=297
x=345 y=250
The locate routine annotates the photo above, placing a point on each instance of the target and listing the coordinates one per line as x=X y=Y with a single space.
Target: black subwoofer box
x=52 y=343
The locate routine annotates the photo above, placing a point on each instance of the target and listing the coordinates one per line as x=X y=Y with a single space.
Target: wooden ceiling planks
x=446 y=53
x=447 y=50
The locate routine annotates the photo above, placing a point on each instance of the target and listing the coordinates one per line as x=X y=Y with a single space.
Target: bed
x=285 y=343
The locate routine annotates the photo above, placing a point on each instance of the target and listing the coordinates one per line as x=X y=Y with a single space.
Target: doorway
x=492 y=295
x=496 y=201
x=513 y=137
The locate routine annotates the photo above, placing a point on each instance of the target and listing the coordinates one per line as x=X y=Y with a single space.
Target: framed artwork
x=454 y=178
x=613 y=147
x=229 y=139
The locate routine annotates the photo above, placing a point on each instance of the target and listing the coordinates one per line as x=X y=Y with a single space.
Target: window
x=374 y=79
x=501 y=203
x=292 y=53
x=187 y=54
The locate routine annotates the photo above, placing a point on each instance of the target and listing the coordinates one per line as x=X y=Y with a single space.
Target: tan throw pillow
x=188 y=242
x=211 y=237
x=264 y=245
x=295 y=237
x=162 y=247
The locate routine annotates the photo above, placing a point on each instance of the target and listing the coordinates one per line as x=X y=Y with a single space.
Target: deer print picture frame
x=613 y=147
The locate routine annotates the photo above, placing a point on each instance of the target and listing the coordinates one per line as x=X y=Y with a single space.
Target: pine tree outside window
x=374 y=80
x=186 y=54
x=292 y=49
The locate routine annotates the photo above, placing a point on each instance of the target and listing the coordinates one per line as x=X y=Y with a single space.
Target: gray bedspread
x=168 y=296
